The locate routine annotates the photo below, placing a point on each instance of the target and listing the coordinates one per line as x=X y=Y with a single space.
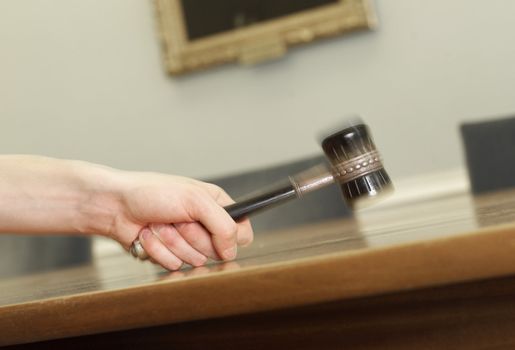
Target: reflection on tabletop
x=374 y=229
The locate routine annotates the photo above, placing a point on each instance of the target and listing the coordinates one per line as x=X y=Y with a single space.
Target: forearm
x=39 y=194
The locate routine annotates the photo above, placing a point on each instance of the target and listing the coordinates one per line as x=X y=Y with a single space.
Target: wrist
x=101 y=199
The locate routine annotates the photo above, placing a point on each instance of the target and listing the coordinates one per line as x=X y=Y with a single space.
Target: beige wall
x=83 y=79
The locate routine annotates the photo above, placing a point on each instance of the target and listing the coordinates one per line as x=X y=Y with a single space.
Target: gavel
x=354 y=163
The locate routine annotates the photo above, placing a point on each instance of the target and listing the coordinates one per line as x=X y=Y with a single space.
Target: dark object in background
x=324 y=204
x=207 y=17
x=22 y=255
x=490 y=154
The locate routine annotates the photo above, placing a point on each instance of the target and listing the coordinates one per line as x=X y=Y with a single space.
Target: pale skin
x=178 y=220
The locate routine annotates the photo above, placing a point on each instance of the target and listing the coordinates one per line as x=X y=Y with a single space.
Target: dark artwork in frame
x=209 y=17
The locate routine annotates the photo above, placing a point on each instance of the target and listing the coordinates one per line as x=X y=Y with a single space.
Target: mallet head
x=356 y=165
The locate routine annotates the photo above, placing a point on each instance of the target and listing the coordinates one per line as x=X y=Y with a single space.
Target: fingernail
x=230 y=254
x=145 y=234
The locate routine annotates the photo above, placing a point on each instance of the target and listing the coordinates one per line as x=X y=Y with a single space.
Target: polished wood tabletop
x=406 y=247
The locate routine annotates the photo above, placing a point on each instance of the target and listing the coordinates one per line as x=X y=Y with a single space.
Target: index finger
x=203 y=208
x=245 y=234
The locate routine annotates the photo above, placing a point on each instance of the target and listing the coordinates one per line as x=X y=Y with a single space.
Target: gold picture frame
x=257 y=42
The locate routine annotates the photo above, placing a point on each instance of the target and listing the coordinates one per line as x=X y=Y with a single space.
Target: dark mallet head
x=356 y=163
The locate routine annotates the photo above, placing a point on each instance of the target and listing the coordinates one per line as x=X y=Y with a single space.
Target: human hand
x=177 y=220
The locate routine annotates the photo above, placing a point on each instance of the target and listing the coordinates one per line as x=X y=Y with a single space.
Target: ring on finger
x=138 y=251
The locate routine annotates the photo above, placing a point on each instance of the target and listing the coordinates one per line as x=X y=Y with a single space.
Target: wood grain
x=473 y=315
x=420 y=245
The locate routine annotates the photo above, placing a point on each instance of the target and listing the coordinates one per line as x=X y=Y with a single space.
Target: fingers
x=176 y=244
x=215 y=219
x=245 y=234
x=157 y=251
x=171 y=245
x=199 y=238
x=201 y=228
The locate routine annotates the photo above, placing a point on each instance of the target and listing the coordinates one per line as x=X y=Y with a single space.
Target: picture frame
x=214 y=40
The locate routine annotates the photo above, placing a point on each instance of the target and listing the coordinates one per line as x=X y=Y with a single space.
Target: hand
x=177 y=220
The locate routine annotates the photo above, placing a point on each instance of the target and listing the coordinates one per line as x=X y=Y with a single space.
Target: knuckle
x=171 y=238
x=192 y=233
x=184 y=228
x=230 y=231
x=220 y=195
x=216 y=190
x=196 y=203
x=195 y=239
x=232 y=228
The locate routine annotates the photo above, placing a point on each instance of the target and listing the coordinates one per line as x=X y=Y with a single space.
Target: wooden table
x=429 y=275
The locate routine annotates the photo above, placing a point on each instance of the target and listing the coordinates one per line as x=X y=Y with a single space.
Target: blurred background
x=85 y=80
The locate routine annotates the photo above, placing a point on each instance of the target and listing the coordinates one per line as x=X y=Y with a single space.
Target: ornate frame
x=255 y=43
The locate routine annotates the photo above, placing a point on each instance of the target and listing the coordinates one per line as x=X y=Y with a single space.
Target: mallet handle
x=307 y=181
x=265 y=200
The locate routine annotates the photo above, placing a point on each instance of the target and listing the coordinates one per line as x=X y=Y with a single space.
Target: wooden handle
x=268 y=199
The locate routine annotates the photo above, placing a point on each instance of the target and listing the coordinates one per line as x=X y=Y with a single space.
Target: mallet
x=355 y=164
